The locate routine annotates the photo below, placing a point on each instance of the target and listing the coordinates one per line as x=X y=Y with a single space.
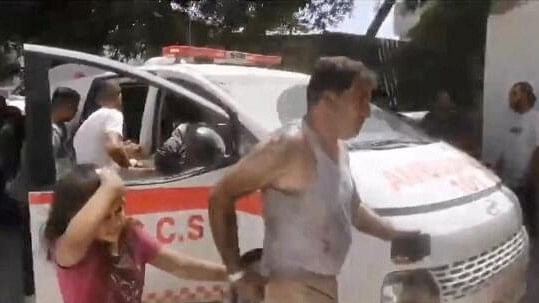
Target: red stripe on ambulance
x=157 y=200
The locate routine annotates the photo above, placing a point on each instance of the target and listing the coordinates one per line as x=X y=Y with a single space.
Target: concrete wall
x=512 y=55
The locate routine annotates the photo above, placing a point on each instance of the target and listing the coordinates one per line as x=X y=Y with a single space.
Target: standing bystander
x=518 y=164
x=65 y=102
x=16 y=275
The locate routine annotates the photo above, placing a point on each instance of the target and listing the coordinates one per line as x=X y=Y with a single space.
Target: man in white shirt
x=518 y=164
x=99 y=139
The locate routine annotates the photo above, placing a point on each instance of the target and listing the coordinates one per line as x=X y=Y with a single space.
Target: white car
x=478 y=251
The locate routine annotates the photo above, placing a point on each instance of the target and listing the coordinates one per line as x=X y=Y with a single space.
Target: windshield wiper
x=386 y=144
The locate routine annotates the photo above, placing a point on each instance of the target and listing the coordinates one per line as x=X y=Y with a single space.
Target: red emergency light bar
x=195 y=52
x=220 y=55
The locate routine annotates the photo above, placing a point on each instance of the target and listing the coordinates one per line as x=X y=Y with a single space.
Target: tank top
x=310 y=232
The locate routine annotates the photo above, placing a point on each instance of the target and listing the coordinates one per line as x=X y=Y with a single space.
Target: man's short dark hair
x=65 y=96
x=527 y=89
x=107 y=90
x=336 y=74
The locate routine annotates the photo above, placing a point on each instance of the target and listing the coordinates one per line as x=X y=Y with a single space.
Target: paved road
x=11 y=286
x=532 y=295
x=10 y=269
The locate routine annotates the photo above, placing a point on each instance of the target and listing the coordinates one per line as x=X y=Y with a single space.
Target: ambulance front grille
x=463 y=278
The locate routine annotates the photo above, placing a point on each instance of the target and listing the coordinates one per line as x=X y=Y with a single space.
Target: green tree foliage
x=255 y=17
x=445 y=52
x=132 y=28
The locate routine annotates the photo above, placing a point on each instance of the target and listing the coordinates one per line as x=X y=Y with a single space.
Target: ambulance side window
x=246 y=141
x=180 y=150
x=134 y=99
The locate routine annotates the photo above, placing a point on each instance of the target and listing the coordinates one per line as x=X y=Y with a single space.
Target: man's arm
x=56 y=143
x=186 y=267
x=115 y=149
x=134 y=150
x=365 y=220
x=113 y=127
x=256 y=171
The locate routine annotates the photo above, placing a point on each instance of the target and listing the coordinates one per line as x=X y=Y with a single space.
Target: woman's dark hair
x=71 y=192
x=527 y=88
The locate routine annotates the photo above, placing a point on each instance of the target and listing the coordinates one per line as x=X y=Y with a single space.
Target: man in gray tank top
x=309 y=198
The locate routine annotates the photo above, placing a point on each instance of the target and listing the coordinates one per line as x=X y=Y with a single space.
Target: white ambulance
x=479 y=249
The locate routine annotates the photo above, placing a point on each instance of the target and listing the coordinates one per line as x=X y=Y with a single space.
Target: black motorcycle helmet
x=204 y=146
x=190 y=145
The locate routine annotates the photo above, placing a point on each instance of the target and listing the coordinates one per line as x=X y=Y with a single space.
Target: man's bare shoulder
x=289 y=140
x=266 y=163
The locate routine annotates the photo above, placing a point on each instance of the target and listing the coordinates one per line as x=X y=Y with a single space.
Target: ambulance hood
x=397 y=167
x=418 y=177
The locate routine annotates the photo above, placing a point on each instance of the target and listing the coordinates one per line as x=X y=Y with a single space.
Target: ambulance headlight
x=416 y=286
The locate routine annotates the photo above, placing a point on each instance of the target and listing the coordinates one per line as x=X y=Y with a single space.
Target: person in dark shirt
x=11 y=138
x=446 y=122
x=439 y=122
x=65 y=102
x=16 y=276
x=191 y=143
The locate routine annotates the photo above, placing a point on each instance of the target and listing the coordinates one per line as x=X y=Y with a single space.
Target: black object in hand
x=410 y=247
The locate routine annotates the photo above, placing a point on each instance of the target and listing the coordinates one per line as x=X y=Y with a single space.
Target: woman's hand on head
x=84 y=227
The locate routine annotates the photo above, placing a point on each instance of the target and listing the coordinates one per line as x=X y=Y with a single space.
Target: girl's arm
x=186 y=267
x=72 y=246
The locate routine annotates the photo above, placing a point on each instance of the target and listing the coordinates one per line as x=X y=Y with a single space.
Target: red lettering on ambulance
x=161 y=237
x=195 y=224
x=421 y=172
x=469 y=183
x=394 y=180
